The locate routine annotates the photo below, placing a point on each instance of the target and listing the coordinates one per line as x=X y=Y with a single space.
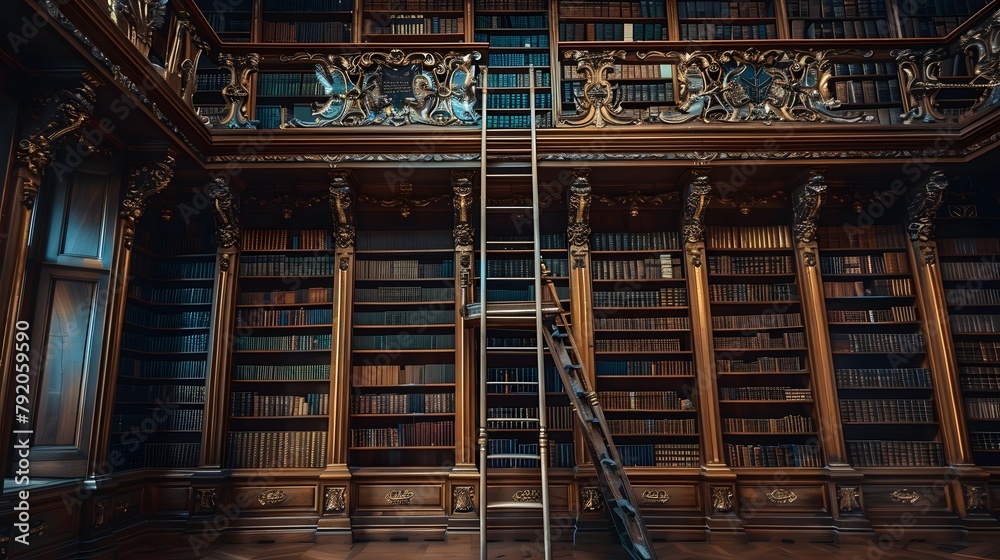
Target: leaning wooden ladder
x=552 y=333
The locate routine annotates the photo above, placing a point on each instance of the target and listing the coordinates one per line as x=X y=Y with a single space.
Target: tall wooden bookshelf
x=934 y=18
x=723 y=20
x=413 y=21
x=232 y=20
x=307 y=21
x=968 y=245
x=884 y=386
x=838 y=19
x=587 y=20
x=761 y=351
x=160 y=390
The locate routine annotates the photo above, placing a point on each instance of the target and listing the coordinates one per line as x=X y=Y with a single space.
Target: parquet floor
x=469 y=550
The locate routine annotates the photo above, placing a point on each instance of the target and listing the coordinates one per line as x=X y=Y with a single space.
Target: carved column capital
x=237 y=91
x=578 y=224
x=341 y=208
x=461 y=200
x=808 y=199
x=145 y=180
x=227 y=213
x=67 y=113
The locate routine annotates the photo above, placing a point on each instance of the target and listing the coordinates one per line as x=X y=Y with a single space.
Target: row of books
x=303 y=449
x=659 y=426
x=522 y=294
x=982 y=270
x=281 y=239
x=887 y=378
x=644 y=92
x=650 y=268
x=979 y=378
x=417 y=434
x=281 y=84
x=755 y=264
x=169 y=295
x=308 y=5
x=877 y=342
x=713 y=31
x=634 y=8
x=850 y=236
x=886 y=410
x=868 y=91
x=401 y=318
x=254 y=404
x=643 y=400
x=663 y=297
x=285 y=265
x=154 y=455
x=408 y=241
x=514 y=418
x=180 y=369
x=960 y=297
x=753 y=292
x=763 y=364
x=524 y=268
x=790 y=424
x=404 y=342
x=836 y=8
x=511 y=22
x=749 y=322
x=761 y=341
x=505 y=79
x=518 y=100
x=629 y=72
x=648 y=241
x=885 y=453
x=864 y=68
x=724 y=9
x=169 y=245
x=522 y=380
x=369 y=375
x=660 y=455
x=857 y=29
x=929 y=26
x=560 y=454
x=969 y=246
x=886 y=263
x=177 y=343
x=518 y=59
x=283 y=317
x=402 y=269
x=985 y=441
x=160 y=393
x=212 y=81
x=612 y=32
x=511 y=5
x=748 y=237
x=414 y=24
x=894 y=314
x=307 y=32
x=182 y=320
x=229 y=23
x=543 y=120
x=635 y=367
x=408 y=403
x=403 y=294
x=784 y=455
x=977 y=351
x=517 y=40
x=440 y=5
x=896 y=287
x=282 y=372
x=642 y=323
x=181 y=419
x=638 y=345
x=287 y=342
x=765 y=394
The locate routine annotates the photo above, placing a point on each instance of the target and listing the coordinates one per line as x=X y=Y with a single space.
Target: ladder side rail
x=482 y=440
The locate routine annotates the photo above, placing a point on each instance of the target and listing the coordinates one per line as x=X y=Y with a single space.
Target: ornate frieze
x=405 y=201
x=145 y=180
x=393 y=88
x=237 y=91
x=598 y=102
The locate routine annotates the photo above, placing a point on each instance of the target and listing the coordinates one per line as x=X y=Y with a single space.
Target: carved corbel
x=924 y=205
x=237 y=91
x=227 y=218
x=461 y=200
x=598 y=102
x=578 y=225
x=139 y=19
x=921 y=86
x=808 y=201
x=71 y=111
x=147 y=179
x=695 y=203
x=343 y=216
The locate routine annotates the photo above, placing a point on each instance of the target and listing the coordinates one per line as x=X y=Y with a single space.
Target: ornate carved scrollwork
x=71 y=111
x=205 y=499
x=975 y=497
x=982 y=45
x=634 y=200
x=599 y=102
x=237 y=91
x=342 y=211
x=227 y=218
x=527 y=496
x=722 y=499
x=655 y=497
x=403 y=201
x=921 y=85
x=591 y=499
x=847 y=498
x=334 y=500
x=393 y=88
x=578 y=224
x=781 y=496
x=139 y=19
x=183 y=60
x=462 y=498
x=271 y=497
x=462 y=204
x=145 y=180
x=753 y=85
x=904 y=496
x=808 y=201
x=693 y=229
x=924 y=205
x=399 y=497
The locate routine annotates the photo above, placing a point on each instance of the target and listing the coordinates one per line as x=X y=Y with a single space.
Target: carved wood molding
x=227 y=214
x=598 y=102
x=146 y=180
x=341 y=207
x=808 y=200
x=335 y=499
x=237 y=91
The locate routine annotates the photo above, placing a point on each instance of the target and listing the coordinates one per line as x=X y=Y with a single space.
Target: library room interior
x=457 y=279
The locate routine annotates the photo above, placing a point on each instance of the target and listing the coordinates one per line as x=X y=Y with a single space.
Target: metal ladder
x=552 y=334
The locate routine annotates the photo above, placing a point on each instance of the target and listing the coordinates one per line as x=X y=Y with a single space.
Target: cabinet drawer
x=255 y=498
x=401 y=497
x=663 y=497
x=785 y=498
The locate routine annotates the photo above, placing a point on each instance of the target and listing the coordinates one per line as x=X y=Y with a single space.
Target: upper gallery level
x=674 y=81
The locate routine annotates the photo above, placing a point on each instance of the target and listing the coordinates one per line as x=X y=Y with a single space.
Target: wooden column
x=924 y=204
x=61 y=117
x=581 y=300
x=335 y=524
x=465 y=385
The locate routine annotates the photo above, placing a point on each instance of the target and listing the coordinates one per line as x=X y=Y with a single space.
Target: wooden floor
x=469 y=550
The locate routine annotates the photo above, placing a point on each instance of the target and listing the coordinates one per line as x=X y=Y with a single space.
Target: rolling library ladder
x=552 y=332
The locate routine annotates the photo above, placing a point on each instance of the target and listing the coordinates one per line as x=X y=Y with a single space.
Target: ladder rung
x=512 y=419
x=514 y=456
